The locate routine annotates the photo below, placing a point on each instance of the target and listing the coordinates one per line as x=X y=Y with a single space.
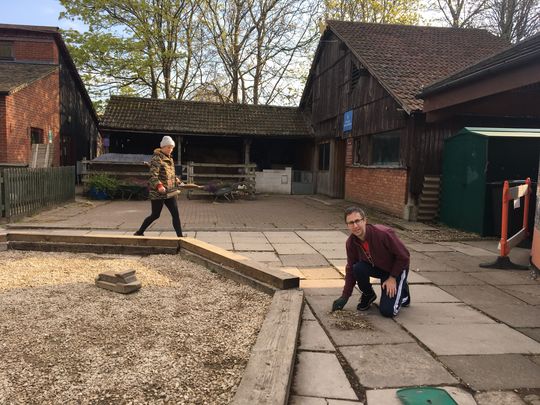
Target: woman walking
x=162 y=179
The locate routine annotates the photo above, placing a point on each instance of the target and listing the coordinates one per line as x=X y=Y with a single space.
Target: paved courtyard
x=473 y=331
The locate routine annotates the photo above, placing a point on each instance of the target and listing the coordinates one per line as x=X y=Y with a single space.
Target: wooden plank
x=251 y=268
x=268 y=375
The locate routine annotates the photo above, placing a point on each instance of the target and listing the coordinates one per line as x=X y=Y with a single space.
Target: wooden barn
x=273 y=138
x=376 y=146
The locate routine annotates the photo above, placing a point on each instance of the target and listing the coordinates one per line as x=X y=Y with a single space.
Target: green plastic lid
x=425 y=396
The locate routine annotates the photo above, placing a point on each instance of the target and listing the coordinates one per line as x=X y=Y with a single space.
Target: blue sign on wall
x=347 y=121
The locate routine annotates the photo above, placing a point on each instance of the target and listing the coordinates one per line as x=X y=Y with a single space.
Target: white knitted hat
x=166 y=141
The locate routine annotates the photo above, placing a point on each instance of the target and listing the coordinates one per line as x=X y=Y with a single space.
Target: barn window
x=6 y=50
x=36 y=135
x=360 y=150
x=385 y=149
x=324 y=156
x=355 y=76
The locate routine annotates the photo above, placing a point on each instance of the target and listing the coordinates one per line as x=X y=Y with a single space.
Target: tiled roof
x=14 y=76
x=405 y=58
x=518 y=55
x=36 y=28
x=189 y=117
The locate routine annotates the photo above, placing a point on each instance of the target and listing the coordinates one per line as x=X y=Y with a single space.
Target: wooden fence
x=26 y=191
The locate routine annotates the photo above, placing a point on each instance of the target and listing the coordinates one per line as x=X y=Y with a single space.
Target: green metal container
x=476 y=161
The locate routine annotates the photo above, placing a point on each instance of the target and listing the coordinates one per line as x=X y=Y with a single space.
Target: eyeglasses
x=355 y=222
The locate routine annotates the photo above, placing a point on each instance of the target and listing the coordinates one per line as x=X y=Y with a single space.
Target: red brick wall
x=384 y=189
x=28 y=50
x=3 y=130
x=38 y=106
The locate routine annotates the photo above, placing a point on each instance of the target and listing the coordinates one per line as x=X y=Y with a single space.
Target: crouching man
x=374 y=251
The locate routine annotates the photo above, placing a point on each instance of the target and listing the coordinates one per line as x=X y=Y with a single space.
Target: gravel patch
x=184 y=338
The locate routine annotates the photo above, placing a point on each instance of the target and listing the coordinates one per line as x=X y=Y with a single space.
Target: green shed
x=475 y=163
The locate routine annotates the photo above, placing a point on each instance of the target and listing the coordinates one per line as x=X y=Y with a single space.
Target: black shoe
x=138 y=233
x=406 y=301
x=366 y=301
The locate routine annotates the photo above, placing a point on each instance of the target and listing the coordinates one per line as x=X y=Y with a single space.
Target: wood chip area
x=184 y=338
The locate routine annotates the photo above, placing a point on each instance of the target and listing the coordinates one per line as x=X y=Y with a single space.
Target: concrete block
x=495 y=372
x=321 y=375
x=3 y=246
x=398 y=365
x=123 y=282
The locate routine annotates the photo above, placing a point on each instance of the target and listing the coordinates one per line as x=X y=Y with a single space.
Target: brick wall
x=3 y=130
x=37 y=50
x=383 y=189
x=37 y=106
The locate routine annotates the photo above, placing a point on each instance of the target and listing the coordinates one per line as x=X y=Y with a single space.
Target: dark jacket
x=387 y=252
x=161 y=173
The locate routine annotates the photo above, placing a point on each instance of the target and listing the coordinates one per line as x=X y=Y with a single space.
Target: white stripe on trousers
x=397 y=302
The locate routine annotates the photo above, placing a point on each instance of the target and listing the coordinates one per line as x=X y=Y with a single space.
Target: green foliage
x=104 y=183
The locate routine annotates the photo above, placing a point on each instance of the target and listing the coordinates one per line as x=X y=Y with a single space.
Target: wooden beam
x=268 y=375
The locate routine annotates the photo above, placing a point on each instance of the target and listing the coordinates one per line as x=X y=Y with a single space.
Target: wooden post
x=504 y=220
x=247 y=147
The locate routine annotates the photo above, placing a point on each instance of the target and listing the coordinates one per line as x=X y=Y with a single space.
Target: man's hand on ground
x=390 y=286
x=339 y=303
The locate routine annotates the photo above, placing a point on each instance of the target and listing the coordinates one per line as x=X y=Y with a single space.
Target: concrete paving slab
x=398 y=365
x=333 y=254
x=300 y=400
x=423 y=263
x=323 y=236
x=293 y=248
x=307 y=260
x=294 y=271
x=518 y=315
x=441 y=314
x=253 y=247
x=495 y=372
x=383 y=330
x=339 y=264
x=74 y=232
x=341 y=402
x=460 y=261
x=263 y=257
x=321 y=375
x=328 y=246
x=429 y=247
x=506 y=277
x=533 y=333
x=528 y=293
x=473 y=339
x=282 y=237
x=213 y=235
x=416 y=278
x=313 y=338
x=430 y=293
x=389 y=396
x=467 y=249
x=480 y=295
x=498 y=397
x=451 y=278
x=307 y=315
x=320 y=273
x=331 y=287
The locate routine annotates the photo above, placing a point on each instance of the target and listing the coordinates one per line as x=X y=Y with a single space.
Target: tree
x=461 y=13
x=514 y=20
x=373 y=11
x=141 y=46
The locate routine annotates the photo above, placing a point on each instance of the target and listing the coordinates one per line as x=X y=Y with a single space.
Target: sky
x=35 y=12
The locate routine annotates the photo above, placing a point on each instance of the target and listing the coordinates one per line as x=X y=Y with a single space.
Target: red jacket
x=387 y=252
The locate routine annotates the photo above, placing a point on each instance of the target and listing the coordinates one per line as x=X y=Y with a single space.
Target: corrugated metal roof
x=503 y=132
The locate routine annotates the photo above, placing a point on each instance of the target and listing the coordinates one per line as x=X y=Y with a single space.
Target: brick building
x=42 y=99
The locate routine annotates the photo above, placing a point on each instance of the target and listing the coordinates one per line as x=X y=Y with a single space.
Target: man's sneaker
x=406 y=301
x=138 y=233
x=366 y=301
